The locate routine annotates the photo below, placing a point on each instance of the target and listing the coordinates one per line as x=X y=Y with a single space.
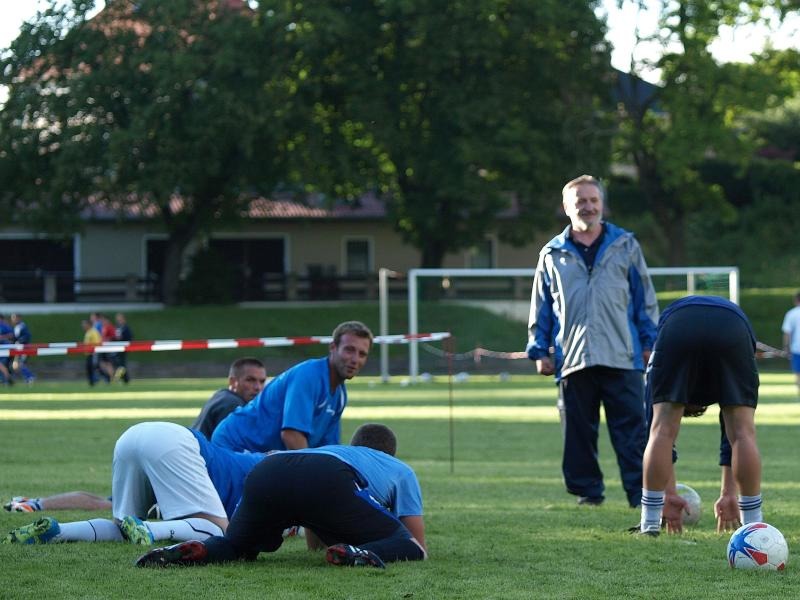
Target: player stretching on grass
x=246 y=379
x=360 y=502
x=196 y=485
x=704 y=354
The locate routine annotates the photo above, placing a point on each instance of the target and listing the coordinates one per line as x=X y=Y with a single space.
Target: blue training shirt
x=227 y=470
x=389 y=480
x=298 y=398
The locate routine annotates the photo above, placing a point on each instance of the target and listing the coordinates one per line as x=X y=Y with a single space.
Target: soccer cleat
x=136 y=532
x=185 y=554
x=22 y=504
x=38 y=532
x=590 y=500
x=637 y=530
x=345 y=555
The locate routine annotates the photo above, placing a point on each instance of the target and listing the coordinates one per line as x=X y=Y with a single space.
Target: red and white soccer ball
x=694 y=506
x=758 y=546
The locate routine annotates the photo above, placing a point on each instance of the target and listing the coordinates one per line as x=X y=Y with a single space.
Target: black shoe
x=345 y=555
x=590 y=500
x=185 y=554
x=637 y=530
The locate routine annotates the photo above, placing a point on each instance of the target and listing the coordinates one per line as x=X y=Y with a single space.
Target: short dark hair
x=357 y=328
x=240 y=363
x=375 y=436
x=694 y=410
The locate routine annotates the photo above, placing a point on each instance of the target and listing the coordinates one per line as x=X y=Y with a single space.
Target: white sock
x=652 y=509
x=750 y=509
x=183 y=530
x=95 y=530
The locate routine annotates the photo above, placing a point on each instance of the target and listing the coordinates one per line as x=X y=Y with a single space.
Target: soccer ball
x=757 y=546
x=694 y=506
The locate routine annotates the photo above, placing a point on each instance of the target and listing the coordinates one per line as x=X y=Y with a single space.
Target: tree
x=457 y=108
x=148 y=108
x=696 y=113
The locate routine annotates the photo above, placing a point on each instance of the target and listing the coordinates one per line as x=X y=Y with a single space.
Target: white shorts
x=161 y=462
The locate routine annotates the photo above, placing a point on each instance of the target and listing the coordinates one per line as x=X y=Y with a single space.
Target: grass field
x=499 y=524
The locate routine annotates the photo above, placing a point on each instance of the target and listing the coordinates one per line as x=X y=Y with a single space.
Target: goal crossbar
x=691 y=274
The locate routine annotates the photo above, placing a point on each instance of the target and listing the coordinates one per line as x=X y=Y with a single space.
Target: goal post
x=726 y=280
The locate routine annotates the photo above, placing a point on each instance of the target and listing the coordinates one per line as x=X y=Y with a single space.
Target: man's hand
x=674 y=506
x=726 y=509
x=544 y=366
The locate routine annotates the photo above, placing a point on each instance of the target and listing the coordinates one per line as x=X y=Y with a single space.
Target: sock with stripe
x=750 y=509
x=652 y=510
x=183 y=530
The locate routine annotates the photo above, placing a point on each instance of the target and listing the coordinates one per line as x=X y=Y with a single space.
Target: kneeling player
x=704 y=354
x=363 y=504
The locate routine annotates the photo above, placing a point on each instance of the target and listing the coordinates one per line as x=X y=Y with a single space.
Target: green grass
x=499 y=525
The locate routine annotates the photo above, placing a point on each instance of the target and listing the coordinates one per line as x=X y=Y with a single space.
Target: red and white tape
x=61 y=348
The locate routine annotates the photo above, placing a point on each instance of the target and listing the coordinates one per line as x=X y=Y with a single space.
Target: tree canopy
x=149 y=108
x=696 y=113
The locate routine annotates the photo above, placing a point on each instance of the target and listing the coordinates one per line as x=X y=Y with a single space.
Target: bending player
x=362 y=503
x=704 y=354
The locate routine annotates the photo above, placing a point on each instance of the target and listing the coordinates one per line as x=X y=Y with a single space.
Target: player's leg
x=746 y=460
x=581 y=469
x=657 y=467
x=262 y=515
x=162 y=462
x=623 y=399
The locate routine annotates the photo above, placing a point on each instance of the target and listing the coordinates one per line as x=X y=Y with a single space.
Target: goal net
x=436 y=295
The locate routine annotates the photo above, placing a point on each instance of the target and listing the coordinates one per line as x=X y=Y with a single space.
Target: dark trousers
x=319 y=492
x=621 y=392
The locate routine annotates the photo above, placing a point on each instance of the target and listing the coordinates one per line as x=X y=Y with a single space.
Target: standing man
x=122 y=333
x=791 y=337
x=246 y=379
x=22 y=335
x=301 y=407
x=704 y=354
x=594 y=304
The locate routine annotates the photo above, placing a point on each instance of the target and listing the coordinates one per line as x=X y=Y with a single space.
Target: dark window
x=357 y=257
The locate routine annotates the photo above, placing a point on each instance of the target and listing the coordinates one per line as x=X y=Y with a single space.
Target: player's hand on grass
x=674 y=506
x=726 y=508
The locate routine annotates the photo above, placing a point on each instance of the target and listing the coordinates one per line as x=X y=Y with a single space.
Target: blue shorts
x=795 y=360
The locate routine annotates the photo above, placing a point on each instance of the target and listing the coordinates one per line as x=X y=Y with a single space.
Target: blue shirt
x=22 y=334
x=227 y=470
x=389 y=480
x=299 y=399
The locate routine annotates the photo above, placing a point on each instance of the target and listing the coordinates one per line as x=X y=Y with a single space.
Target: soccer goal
x=507 y=292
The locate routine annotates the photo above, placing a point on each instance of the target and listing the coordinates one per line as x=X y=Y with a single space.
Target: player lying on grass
x=196 y=485
x=362 y=503
x=704 y=354
x=246 y=379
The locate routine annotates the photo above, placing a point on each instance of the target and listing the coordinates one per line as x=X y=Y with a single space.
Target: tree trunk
x=173 y=263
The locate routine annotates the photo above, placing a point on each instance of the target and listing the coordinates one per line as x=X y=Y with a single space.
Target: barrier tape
x=765 y=351
x=762 y=351
x=62 y=348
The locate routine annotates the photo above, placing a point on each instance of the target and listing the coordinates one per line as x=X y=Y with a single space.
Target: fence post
x=50 y=287
x=130 y=287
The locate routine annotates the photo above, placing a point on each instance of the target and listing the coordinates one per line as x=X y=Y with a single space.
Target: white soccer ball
x=694 y=506
x=758 y=546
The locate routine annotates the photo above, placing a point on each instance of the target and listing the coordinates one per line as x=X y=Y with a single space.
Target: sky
x=731 y=46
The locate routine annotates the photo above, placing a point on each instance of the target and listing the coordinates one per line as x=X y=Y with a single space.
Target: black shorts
x=703 y=355
x=317 y=491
